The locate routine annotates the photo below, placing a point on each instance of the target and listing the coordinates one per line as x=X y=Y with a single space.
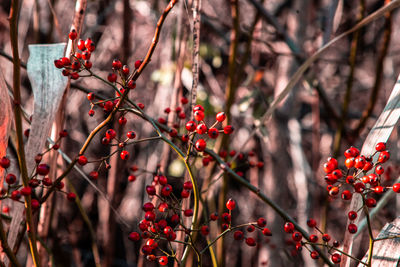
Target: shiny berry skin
x=26 y=191
x=198 y=115
x=91 y=113
x=151 y=190
x=58 y=63
x=124 y=155
x=134 y=236
x=378 y=190
x=71 y=196
x=213 y=133
x=122 y=121
x=334 y=191
x=238 y=235
x=148 y=206
x=349 y=162
x=381 y=146
x=383 y=157
x=359 y=187
x=150 y=216
x=346 y=195
x=370 y=202
x=352 y=228
x=184 y=100
x=313 y=238
x=137 y=64
x=201 y=128
x=43 y=169
x=163 y=260
x=82 y=160
x=336 y=258
x=314 y=255
x=297 y=236
x=108 y=106
x=250 y=228
x=94 y=175
x=379 y=169
x=396 y=187
x=131 y=84
x=200 y=145
x=230 y=204
x=336 y=244
x=228 y=129
x=141 y=105
x=311 y=223
x=131 y=135
x=86 y=55
x=166 y=190
x=11 y=178
x=185 y=138
x=204 y=230
x=261 y=222
x=4 y=162
x=73 y=34
x=288 y=227
x=198 y=107
x=359 y=162
x=111 y=134
x=350 y=179
x=188 y=213
x=47 y=181
x=15 y=195
x=352 y=215
x=221 y=116
x=266 y=232
x=65 y=61
x=116 y=64
x=226 y=217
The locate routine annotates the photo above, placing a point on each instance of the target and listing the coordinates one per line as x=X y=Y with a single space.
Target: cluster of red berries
x=362 y=176
x=38 y=179
x=79 y=60
x=299 y=243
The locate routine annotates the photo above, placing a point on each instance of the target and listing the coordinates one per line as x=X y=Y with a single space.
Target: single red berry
x=4 y=162
x=334 y=191
x=73 y=34
x=352 y=215
x=162 y=180
x=131 y=84
x=198 y=107
x=141 y=105
x=311 y=223
x=201 y=128
x=313 y=238
x=122 y=120
x=131 y=178
x=131 y=135
x=350 y=179
x=35 y=204
x=43 y=169
x=134 y=236
x=346 y=195
x=108 y=106
x=166 y=190
x=86 y=55
x=188 y=213
x=381 y=146
x=173 y=132
x=81 y=45
x=82 y=160
x=370 y=202
x=314 y=255
x=91 y=113
x=226 y=217
x=47 y=181
x=378 y=189
x=116 y=64
x=58 y=63
x=297 y=236
x=214 y=216
x=213 y=133
x=26 y=191
x=396 y=187
x=251 y=242
x=336 y=258
x=15 y=195
x=88 y=42
x=359 y=162
x=148 y=206
x=326 y=237
x=191 y=126
x=200 y=145
x=336 y=244
x=198 y=115
x=137 y=64
x=359 y=187
x=111 y=134
x=238 y=235
x=383 y=156
x=74 y=75
x=261 y=222
x=188 y=185
x=94 y=175
x=33 y=183
x=228 y=129
x=288 y=227
x=266 y=232
x=250 y=228
x=124 y=155
x=150 y=216
x=91 y=47
x=230 y=204
x=151 y=190
x=71 y=196
x=349 y=162
x=163 y=260
x=379 y=169
x=352 y=228
x=184 y=100
x=175 y=219
x=221 y=116
x=66 y=62
x=112 y=77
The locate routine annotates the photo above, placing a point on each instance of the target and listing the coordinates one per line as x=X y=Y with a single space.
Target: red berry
x=81 y=45
x=94 y=175
x=148 y=206
x=201 y=128
x=336 y=258
x=352 y=215
x=151 y=190
x=35 y=204
x=311 y=223
x=326 y=237
x=11 y=178
x=396 y=187
x=214 y=216
x=297 y=236
x=226 y=217
x=379 y=169
x=26 y=191
x=188 y=185
x=150 y=216
x=73 y=34
x=314 y=255
x=137 y=64
x=134 y=236
x=191 y=126
x=162 y=180
x=124 y=155
x=91 y=113
x=185 y=138
x=71 y=196
x=125 y=70
x=4 y=162
x=359 y=162
x=141 y=105
x=213 y=133
x=188 y=213
x=228 y=129
x=378 y=189
x=122 y=120
x=15 y=195
x=288 y=227
x=381 y=146
x=163 y=260
x=359 y=187
x=184 y=100
x=43 y=169
x=66 y=62
x=352 y=228
x=166 y=190
x=346 y=195
x=108 y=106
x=238 y=235
x=370 y=202
x=88 y=42
x=383 y=156
x=131 y=178
x=261 y=222
x=221 y=116
x=250 y=228
x=116 y=64
x=349 y=162
x=266 y=232
x=313 y=238
x=111 y=134
x=200 y=145
x=112 y=77
x=198 y=115
x=131 y=84
x=230 y=204
x=58 y=63
x=47 y=181
x=251 y=242
x=173 y=132
x=82 y=160
x=86 y=55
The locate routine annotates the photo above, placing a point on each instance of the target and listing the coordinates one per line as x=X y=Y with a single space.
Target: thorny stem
x=18 y=125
